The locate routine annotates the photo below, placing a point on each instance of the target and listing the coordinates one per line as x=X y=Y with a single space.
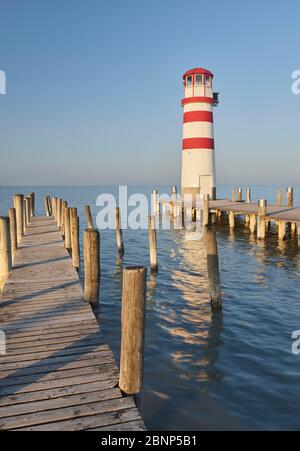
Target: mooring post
x=91 y=265
x=5 y=250
x=279 y=198
x=49 y=205
x=88 y=216
x=25 y=214
x=119 y=234
x=67 y=225
x=133 y=324
x=58 y=212
x=248 y=196
x=154 y=200
x=252 y=223
x=152 y=243
x=290 y=196
x=231 y=217
x=74 y=221
x=13 y=232
x=233 y=196
x=281 y=230
x=206 y=210
x=46 y=206
x=64 y=208
x=213 y=269
x=53 y=204
x=240 y=195
x=27 y=199
x=32 y=204
x=261 y=221
x=19 y=206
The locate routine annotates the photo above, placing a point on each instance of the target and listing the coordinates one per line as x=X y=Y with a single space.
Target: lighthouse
x=198 y=174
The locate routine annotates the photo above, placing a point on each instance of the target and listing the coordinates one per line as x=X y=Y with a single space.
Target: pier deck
x=287 y=214
x=58 y=373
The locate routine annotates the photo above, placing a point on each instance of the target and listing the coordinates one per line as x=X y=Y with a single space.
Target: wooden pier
x=58 y=373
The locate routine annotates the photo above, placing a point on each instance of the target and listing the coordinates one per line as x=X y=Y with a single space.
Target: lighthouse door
x=205 y=183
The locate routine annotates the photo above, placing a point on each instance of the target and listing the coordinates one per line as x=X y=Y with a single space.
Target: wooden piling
x=74 y=222
x=119 y=234
x=152 y=243
x=89 y=218
x=133 y=323
x=206 y=210
x=13 y=232
x=233 y=195
x=19 y=206
x=290 y=197
x=248 y=196
x=252 y=223
x=67 y=229
x=46 y=206
x=213 y=269
x=25 y=213
x=53 y=206
x=261 y=221
x=240 y=195
x=62 y=226
x=231 y=217
x=279 y=198
x=32 y=204
x=27 y=201
x=5 y=250
x=91 y=265
x=281 y=230
x=58 y=212
x=49 y=205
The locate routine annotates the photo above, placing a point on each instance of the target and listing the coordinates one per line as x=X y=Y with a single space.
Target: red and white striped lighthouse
x=198 y=150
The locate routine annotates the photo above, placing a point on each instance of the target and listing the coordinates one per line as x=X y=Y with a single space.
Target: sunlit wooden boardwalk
x=58 y=373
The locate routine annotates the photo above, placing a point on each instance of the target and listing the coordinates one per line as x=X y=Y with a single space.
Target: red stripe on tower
x=198 y=143
x=198 y=116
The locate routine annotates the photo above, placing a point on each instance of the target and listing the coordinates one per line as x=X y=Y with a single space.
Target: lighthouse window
x=198 y=79
x=207 y=80
x=189 y=80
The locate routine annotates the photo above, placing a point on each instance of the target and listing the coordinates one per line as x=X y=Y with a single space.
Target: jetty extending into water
x=57 y=371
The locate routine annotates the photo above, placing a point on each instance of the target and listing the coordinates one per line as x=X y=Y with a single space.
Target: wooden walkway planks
x=58 y=373
x=287 y=214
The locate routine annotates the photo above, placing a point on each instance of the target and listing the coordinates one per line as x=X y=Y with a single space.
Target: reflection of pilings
x=213 y=269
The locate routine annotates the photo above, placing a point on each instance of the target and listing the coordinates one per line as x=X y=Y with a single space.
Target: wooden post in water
x=119 y=235
x=19 y=206
x=46 y=206
x=261 y=221
x=53 y=206
x=133 y=324
x=279 y=198
x=89 y=218
x=13 y=232
x=152 y=243
x=67 y=225
x=213 y=269
x=240 y=195
x=231 y=219
x=281 y=230
x=206 y=210
x=5 y=250
x=74 y=222
x=252 y=223
x=91 y=265
x=32 y=204
x=49 y=205
x=248 y=196
x=290 y=197
x=233 y=197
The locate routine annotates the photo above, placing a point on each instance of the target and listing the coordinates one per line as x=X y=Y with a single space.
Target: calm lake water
x=233 y=370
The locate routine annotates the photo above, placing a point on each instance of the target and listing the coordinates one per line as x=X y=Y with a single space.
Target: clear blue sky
x=94 y=89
